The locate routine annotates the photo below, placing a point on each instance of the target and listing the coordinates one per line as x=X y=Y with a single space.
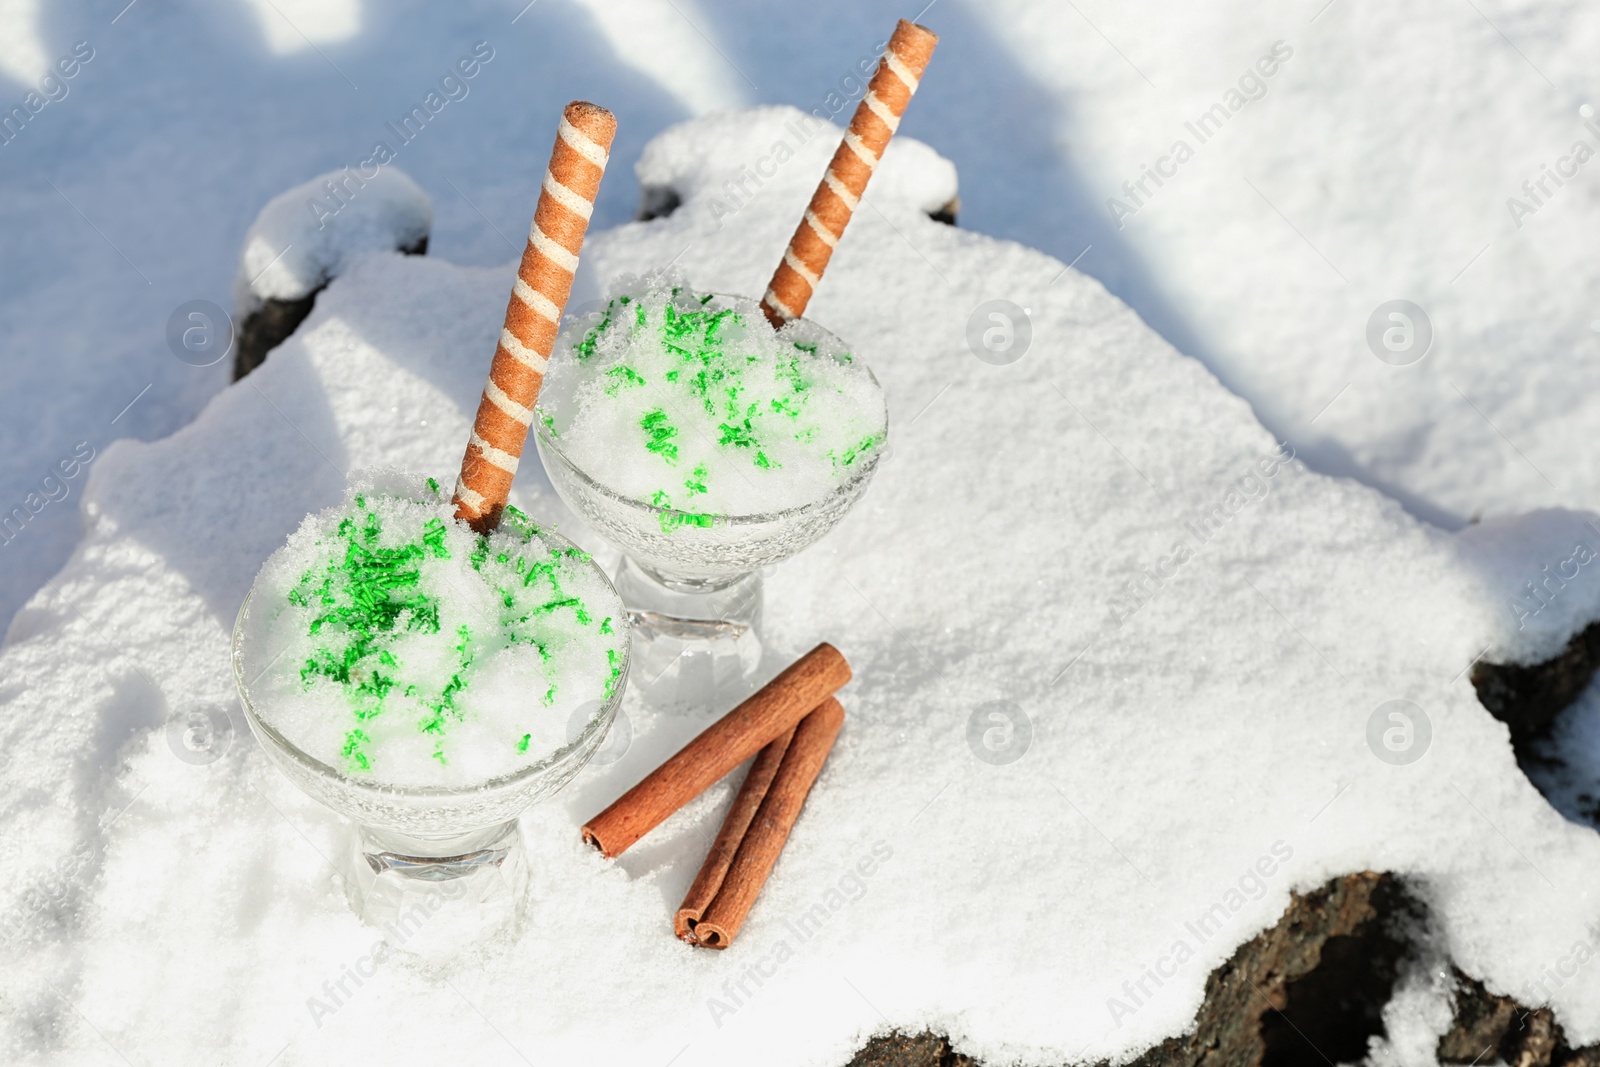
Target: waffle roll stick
x=533 y=315
x=845 y=181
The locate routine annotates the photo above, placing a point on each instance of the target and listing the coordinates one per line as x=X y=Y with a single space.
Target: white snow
x=1541 y=574
x=1375 y=168
x=1382 y=161
x=314 y=231
x=1417 y=1015
x=186 y=912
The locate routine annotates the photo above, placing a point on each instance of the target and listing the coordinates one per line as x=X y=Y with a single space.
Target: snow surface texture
x=1378 y=165
x=995 y=871
x=384 y=641
x=691 y=401
x=311 y=233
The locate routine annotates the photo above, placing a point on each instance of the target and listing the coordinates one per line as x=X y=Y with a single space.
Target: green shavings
x=660 y=432
x=789 y=371
x=622 y=375
x=855 y=452
x=371 y=603
x=355 y=758
x=359 y=601
x=522 y=746
x=696 y=482
x=742 y=435
x=580 y=612
x=672 y=519
x=712 y=388
x=433 y=539
x=585 y=347
x=677 y=520
x=616 y=672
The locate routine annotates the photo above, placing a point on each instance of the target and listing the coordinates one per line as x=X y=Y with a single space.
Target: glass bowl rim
x=504 y=783
x=546 y=442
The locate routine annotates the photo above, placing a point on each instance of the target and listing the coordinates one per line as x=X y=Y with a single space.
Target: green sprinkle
x=522 y=746
x=676 y=520
x=706 y=363
x=354 y=758
x=616 y=671
x=622 y=375
x=740 y=436
x=696 y=482
x=661 y=432
x=433 y=537
x=366 y=596
x=855 y=452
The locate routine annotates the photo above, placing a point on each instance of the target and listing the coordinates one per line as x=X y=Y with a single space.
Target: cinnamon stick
x=756 y=782
x=769 y=713
x=769 y=830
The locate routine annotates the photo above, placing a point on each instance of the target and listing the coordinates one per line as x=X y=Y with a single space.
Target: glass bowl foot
x=694 y=642
x=436 y=895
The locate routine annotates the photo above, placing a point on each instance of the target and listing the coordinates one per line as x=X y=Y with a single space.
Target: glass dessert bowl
x=691 y=575
x=423 y=846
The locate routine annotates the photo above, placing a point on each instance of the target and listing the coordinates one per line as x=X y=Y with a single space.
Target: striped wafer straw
x=875 y=120
x=538 y=297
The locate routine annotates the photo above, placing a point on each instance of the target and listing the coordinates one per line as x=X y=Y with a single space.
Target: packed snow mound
x=1541 y=574
x=1261 y=184
x=1126 y=675
x=765 y=150
x=314 y=231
